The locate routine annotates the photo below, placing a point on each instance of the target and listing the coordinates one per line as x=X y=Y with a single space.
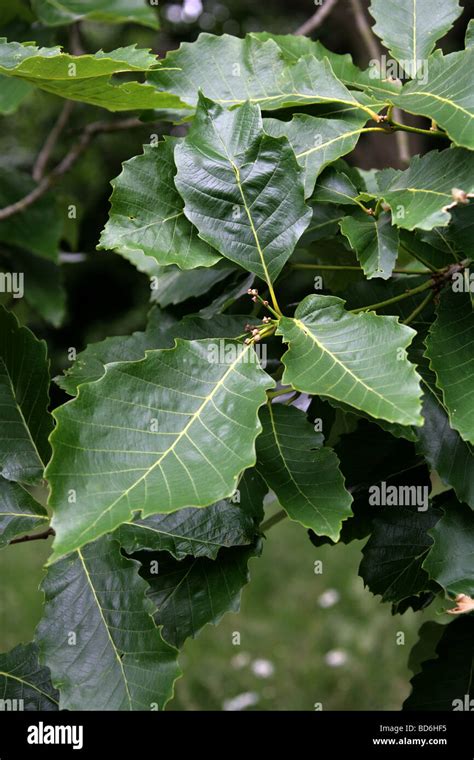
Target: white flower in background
x=192 y=9
x=173 y=13
x=329 y=598
x=335 y=658
x=262 y=668
x=241 y=701
x=188 y=12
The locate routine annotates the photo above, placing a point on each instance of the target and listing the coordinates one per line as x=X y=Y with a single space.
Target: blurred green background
x=306 y=638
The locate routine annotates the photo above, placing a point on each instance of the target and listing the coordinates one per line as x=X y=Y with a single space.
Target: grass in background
x=345 y=655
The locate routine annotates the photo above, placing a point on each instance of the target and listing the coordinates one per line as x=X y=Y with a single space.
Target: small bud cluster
x=255 y=330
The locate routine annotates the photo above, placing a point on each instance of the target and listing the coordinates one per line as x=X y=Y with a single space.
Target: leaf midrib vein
x=358 y=380
x=196 y=415
x=99 y=607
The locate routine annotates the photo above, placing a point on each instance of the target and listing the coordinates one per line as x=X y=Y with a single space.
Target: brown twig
x=365 y=30
x=75 y=41
x=50 y=143
x=373 y=48
x=87 y=135
x=403 y=139
x=273 y=520
x=34 y=537
x=317 y=18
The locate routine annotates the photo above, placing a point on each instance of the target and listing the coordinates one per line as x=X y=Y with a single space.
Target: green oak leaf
x=89 y=364
x=420 y=196
x=119 y=660
x=409 y=29
x=173 y=430
x=23 y=678
x=394 y=428
x=324 y=223
x=450 y=561
x=375 y=242
x=86 y=78
x=446 y=96
x=19 y=512
x=470 y=34
x=242 y=189
x=415 y=603
x=161 y=332
x=294 y=47
x=174 y=285
x=445 y=681
x=371 y=456
x=415 y=244
x=196 y=591
x=442 y=447
x=147 y=213
x=237 y=286
x=335 y=186
x=392 y=563
x=316 y=141
x=231 y=71
x=304 y=475
x=200 y=532
x=12 y=94
x=24 y=420
x=448 y=347
x=459 y=236
x=359 y=359
x=61 y=12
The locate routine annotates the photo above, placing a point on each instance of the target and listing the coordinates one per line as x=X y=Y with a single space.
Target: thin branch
x=403 y=138
x=419 y=308
x=280 y=392
x=75 y=41
x=273 y=520
x=343 y=267
x=365 y=30
x=317 y=18
x=400 y=297
x=34 y=536
x=86 y=137
x=438 y=281
x=373 y=48
x=50 y=143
